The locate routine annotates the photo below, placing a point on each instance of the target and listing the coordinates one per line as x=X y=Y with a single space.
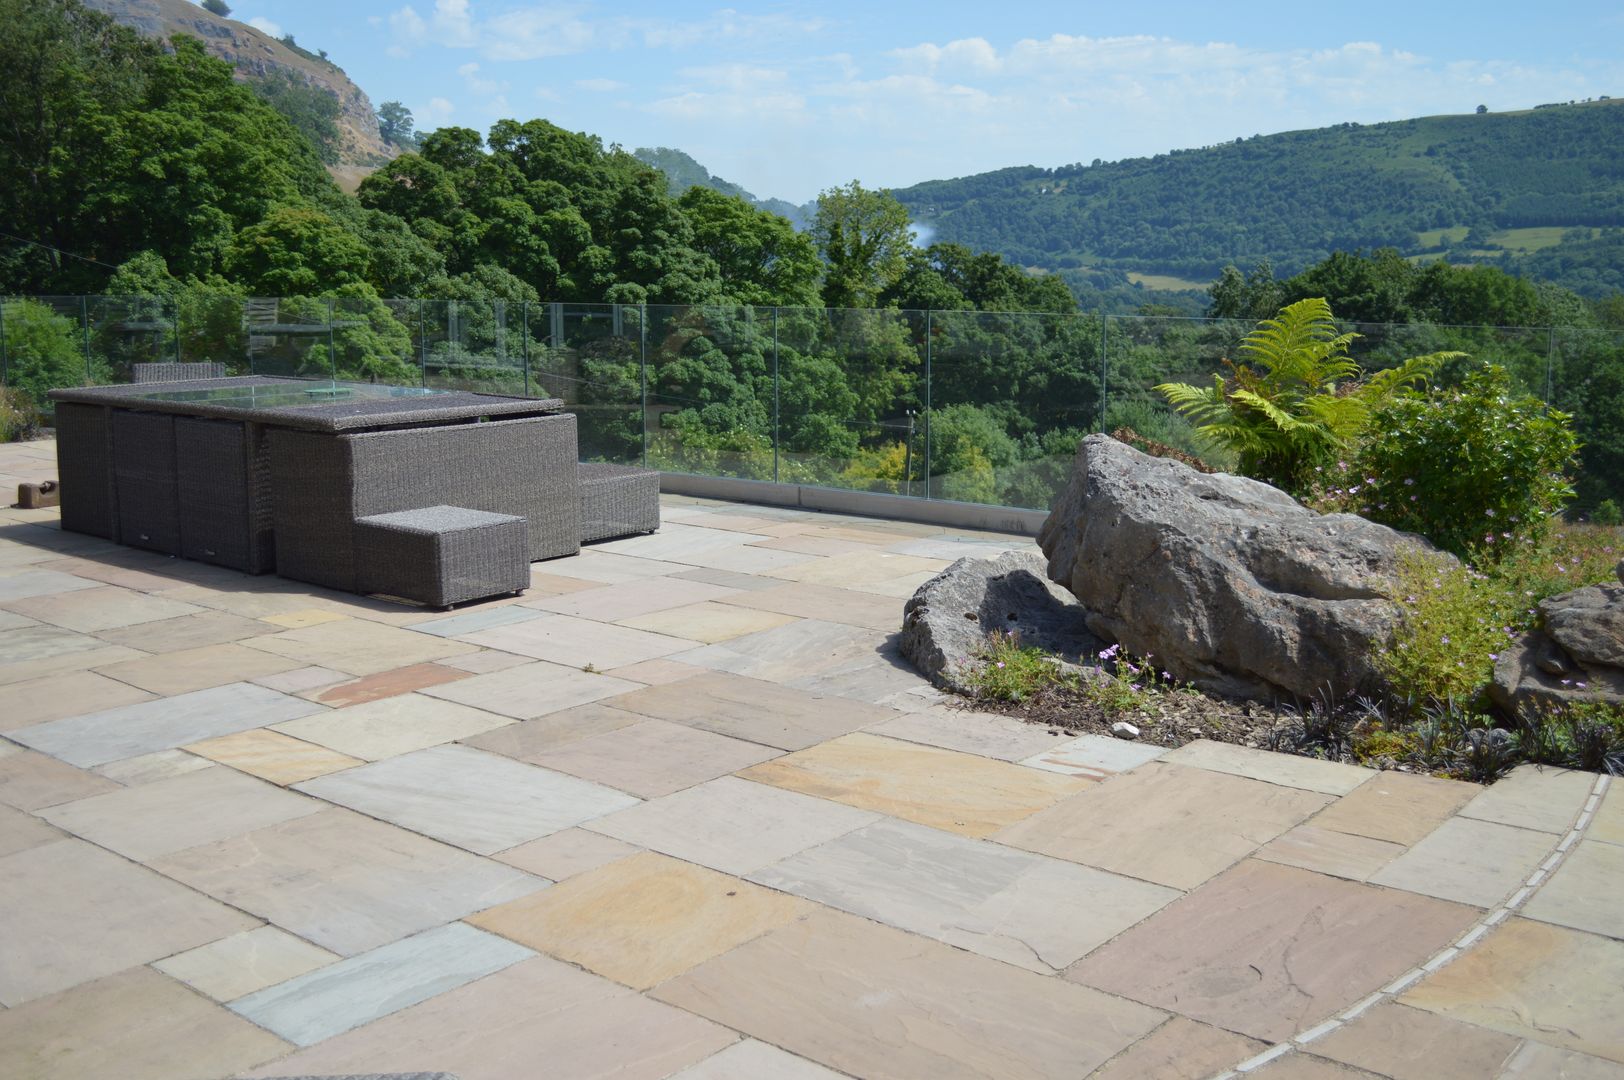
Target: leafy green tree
x=312 y=110
x=296 y=251
x=44 y=350
x=217 y=7
x=395 y=125
x=761 y=258
x=1301 y=401
x=864 y=238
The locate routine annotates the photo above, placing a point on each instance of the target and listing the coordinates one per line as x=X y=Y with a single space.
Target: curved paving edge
x=1445 y=956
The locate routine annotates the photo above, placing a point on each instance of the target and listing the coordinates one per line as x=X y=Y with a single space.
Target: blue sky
x=789 y=99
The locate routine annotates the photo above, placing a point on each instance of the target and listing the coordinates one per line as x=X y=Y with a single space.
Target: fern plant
x=1298 y=400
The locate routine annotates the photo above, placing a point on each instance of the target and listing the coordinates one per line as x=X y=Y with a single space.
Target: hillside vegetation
x=1434 y=186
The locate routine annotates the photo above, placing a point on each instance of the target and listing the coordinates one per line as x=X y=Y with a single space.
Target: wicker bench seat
x=442 y=555
x=617 y=500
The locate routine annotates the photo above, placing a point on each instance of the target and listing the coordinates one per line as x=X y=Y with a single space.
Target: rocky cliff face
x=255 y=54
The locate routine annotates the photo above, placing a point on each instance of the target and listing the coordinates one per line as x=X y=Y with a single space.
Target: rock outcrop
x=948 y=619
x=1228 y=583
x=1575 y=657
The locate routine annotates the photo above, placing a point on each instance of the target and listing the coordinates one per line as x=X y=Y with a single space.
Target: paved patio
x=679 y=811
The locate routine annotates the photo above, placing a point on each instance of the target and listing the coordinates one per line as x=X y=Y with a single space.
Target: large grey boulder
x=1229 y=583
x=1575 y=657
x=948 y=619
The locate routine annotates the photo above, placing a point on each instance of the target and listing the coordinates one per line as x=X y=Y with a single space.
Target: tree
x=864 y=238
x=762 y=259
x=296 y=251
x=217 y=7
x=395 y=125
x=312 y=109
x=1481 y=109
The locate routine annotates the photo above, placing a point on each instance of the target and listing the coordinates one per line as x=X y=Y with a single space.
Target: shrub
x=1301 y=401
x=1607 y=513
x=1472 y=469
x=1454 y=623
x=19 y=419
x=1010 y=671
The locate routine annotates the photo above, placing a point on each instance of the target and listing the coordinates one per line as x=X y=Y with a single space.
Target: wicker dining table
x=259 y=473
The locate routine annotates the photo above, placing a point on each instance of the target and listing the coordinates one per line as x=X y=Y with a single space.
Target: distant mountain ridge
x=683 y=172
x=1476 y=187
x=256 y=54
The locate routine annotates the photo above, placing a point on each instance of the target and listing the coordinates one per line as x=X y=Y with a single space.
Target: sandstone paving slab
x=358 y=646
x=20 y=831
x=877 y=1002
x=1608 y=824
x=732 y=825
x=11 y=621
x=1094 y=757
x=985 y=734
x=1399 y=808
x=730 y=579
x=526 y=691
x=1180 y=1049
x=32 y=781
x=391 y=726
x=1586 y=892
x=529 y=739
x=40 y=641
x=950 y=549
x=565 y=853
x=628 y=600
x=643 y=919
x=74 y=657
x=1548 y=983
x=900 y=588
x=1165 y=823
x=827 y=603
x=1028 y=910
x=749 y=1059
x=677 y=540
x=1469 y=861
x=243 y=963
x=545 y=584
x=187 y=632
x=134 y=1025
x=73 y=912
x=1412 y=1044
x=538 y=1011
x=575 y=642
x=293 y=620
x=858 y=570
x=1305 y=1066
x=172 y=673
x=386 y=684
x=101 y=608
x=1288 y=770
x=301 y=680
x=1269 y=950
x=752 y=709
x=162 y=724
x=158 y=765
x=789 y=652
x=346 y=882
x=23 y=582
x=476 y=800
x=272 y=756
x=489 y=619
x=709 y=622
x=1536 y=1061
x=1534 y=797
x=1327 y=851
x=608 y=568
x=485 y=661
x=960 y=793
x=165 y=816
x=880 y=676
x=330 y=1000
x=656 y=672
x=811 y=543
x=653 y=757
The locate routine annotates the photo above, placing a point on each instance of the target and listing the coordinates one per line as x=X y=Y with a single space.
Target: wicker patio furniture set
x=437 y=497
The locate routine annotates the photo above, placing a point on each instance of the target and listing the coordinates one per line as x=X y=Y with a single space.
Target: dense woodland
x=688 y=326
x=1294 y=198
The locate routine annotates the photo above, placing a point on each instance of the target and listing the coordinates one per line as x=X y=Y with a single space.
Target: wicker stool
x=442 y=555
x=617 y=500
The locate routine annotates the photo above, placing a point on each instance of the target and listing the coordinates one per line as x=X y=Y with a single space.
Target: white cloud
x=265 y=26
x=437 y=113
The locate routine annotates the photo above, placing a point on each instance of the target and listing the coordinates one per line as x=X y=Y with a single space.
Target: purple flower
x=1000 y=663
x=1446 y=639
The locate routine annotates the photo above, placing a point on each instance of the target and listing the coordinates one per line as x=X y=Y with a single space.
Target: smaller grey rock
x=1576 y=657
x=948 y=619
x=1124 y=730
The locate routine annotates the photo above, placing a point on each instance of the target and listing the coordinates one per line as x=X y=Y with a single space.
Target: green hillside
x=683 y=172
x=1438 y=186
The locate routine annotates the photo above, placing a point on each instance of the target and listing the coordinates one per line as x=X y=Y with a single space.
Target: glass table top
x=289 y=395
